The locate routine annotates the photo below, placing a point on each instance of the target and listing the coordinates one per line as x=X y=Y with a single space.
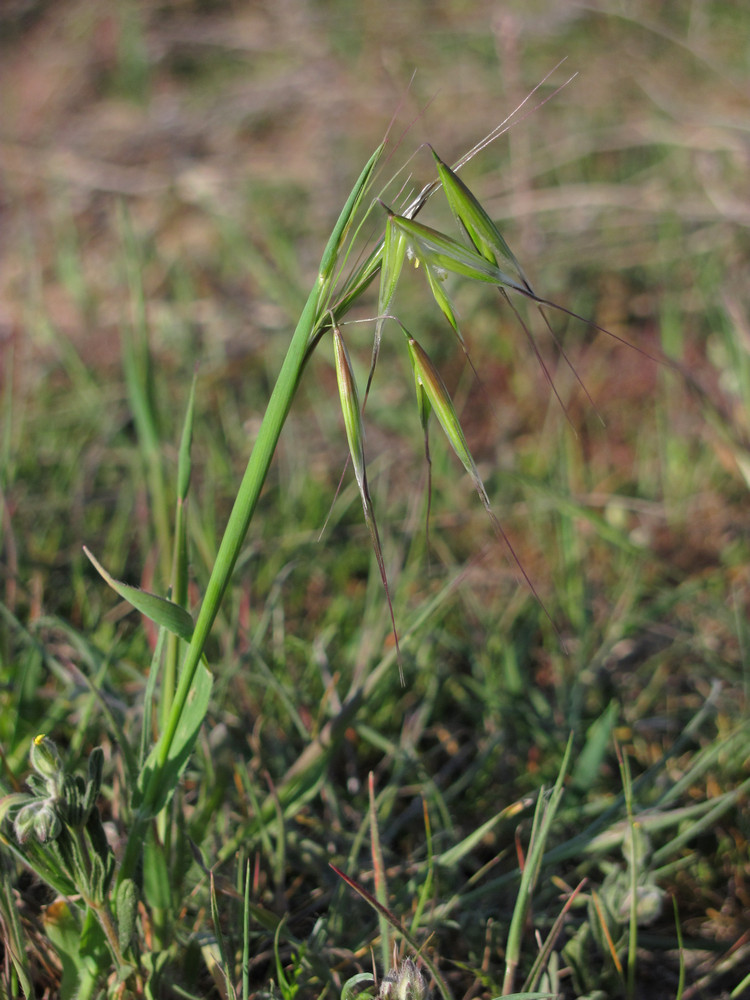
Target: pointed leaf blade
x=166 y=614
x=150 y=801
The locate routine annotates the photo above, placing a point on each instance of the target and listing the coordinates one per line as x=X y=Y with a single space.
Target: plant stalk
x=246 y=502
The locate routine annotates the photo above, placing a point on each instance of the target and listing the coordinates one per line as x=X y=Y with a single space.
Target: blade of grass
x=381 y=885
x=163 y=612
x=545 y=951
x=544 y=816
x=179 y=576
x=627 y=787
x=425 y=891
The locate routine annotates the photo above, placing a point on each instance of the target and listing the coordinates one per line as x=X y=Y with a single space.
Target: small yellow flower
x=45 y=758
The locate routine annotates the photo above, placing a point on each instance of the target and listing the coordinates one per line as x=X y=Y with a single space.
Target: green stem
x=244 y=506
x=258 y=465
x=240 y=517
x=231 y=543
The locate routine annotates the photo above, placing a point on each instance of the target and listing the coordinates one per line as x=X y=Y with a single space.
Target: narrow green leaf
x=151 y=799
x=455 y=854
x=379 y=871
x=126 y=910
x=598 y=739
x=166 y=614
x=149 y=697
x=344 y=222
x=225 y=965
x=544 y=816
x=157 y=891
x=13 y=937
x=184 y=465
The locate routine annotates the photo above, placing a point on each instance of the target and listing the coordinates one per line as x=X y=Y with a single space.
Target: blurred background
x=224 y=137
x=169 y=173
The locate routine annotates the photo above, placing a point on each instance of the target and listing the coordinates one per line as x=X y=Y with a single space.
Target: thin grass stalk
x=544 y=816
x=607 y=935
x=246 y=934
x=542 y=959
x=680 y=945
x=179 y=575
x=440 y=983
x=425 y=893
x=627 y=785
x=139 y=380
x=381 y=885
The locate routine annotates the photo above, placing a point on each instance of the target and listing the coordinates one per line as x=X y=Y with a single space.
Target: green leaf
x=348 y=989
x=13 y=938
x=157 y=889
x=166 y=778
x=79 y=968
x=590 y=758
x=126 y=908
x=166 y=614
x=184 y=465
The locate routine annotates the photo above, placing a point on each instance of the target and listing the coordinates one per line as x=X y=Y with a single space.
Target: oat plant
x=55 y=828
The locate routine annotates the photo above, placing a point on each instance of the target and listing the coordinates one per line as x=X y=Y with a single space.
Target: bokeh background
x=175 y=168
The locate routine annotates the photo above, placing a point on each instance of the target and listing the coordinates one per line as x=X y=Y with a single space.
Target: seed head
x=404 y=983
